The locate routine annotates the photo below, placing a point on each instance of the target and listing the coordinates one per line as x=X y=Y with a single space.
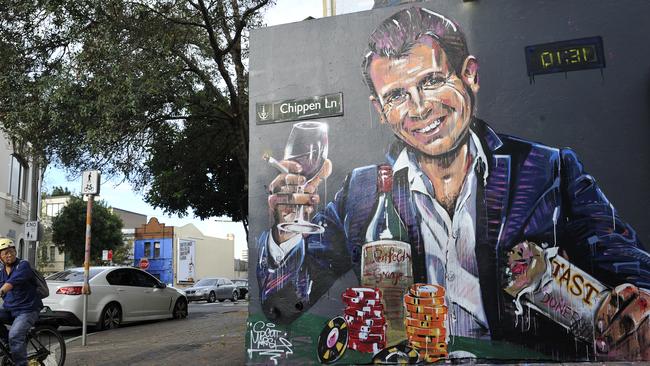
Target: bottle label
x=386 y=264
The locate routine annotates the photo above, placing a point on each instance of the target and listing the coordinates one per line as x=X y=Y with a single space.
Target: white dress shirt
x=449 y=242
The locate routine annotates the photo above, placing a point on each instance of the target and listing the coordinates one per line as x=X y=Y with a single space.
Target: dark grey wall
x=604 y=119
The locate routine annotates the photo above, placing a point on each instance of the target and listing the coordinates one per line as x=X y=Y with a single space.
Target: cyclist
x=21 y=302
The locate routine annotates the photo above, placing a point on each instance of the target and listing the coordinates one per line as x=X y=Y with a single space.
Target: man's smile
x=434 y=125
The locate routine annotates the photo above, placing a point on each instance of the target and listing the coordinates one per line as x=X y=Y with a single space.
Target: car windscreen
x=206 y=282
x=73 y=275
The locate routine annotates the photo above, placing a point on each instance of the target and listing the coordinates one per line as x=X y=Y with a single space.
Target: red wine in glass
x=307 y=145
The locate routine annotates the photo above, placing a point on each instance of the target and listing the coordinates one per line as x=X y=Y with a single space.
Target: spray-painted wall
x=463 y=241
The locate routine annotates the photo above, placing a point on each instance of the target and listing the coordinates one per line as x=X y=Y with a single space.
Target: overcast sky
x=122 y=195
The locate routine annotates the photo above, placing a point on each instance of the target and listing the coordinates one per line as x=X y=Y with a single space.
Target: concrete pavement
x=208 y=339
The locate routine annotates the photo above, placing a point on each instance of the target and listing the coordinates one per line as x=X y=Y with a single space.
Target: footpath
x=212 y=339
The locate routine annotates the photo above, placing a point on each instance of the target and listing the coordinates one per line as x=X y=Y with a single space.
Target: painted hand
x=623 y=325
x=287 y=191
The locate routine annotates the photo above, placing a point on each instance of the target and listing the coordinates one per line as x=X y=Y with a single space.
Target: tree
x=60 y=191
x=69 y=227
x=149 y=90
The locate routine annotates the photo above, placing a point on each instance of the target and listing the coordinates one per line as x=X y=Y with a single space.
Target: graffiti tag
x=265 y=340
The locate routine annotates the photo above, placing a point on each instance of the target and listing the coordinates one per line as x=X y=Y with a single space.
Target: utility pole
x=34 y=204
x=90 y=181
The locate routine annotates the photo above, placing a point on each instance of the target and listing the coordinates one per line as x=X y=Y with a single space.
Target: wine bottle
x=386 y=254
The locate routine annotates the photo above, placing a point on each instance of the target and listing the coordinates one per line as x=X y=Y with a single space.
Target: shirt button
x=451 y=276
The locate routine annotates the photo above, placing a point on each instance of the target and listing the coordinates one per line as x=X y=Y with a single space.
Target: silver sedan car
x=118 y=295
x=212 y=289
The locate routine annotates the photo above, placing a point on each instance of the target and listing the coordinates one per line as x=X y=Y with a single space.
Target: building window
x=147 y=249
x=52 y=253
x=53 y=209
x=18 y=177
x=156 y=249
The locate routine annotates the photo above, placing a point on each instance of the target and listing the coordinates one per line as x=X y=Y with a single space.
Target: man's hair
x=397 y=35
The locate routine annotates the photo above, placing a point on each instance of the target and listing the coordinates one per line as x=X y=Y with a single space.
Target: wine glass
x=307 y=145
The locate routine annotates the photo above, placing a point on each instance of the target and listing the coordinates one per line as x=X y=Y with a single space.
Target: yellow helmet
x=6 y=243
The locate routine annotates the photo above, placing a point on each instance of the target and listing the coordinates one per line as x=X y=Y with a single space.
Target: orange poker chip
x=429 y=301
x=423 y=309
x=428 y=317
x=431 y=332
x=422 y=341
x=426 y=290
x=408 y=321
x=431 y=347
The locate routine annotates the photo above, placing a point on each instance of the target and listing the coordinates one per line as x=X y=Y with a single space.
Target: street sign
x=31 y=230
x=144 y=263
x=90 y=180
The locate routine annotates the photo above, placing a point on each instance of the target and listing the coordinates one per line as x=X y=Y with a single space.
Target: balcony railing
x=17 y=209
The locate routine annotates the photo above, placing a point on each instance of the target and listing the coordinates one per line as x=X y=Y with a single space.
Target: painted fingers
x=623 y=325
x=289 y=191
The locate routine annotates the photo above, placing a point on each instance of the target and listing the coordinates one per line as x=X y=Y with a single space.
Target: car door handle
x=120 y=289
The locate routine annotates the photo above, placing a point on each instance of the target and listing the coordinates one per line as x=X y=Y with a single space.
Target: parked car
x=242 y=288
x=212 y=289
x=118 y=295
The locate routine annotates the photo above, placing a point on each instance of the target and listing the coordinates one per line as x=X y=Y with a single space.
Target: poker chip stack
x=364 y=314
x=425 y=315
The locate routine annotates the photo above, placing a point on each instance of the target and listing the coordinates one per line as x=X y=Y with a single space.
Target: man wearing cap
x=466 y=195
x=21 y=301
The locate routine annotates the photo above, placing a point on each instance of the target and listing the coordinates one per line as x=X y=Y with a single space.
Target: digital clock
x=565 y=56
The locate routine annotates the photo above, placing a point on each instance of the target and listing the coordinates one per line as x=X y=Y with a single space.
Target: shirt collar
x=407 y=159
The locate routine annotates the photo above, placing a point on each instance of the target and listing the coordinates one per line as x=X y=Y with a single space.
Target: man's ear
x=470 y=73
x=378 y=108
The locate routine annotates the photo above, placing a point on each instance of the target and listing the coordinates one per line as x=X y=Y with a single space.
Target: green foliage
x=69 y=230
x=151 y=91
x=123 y=255
x=60 y=191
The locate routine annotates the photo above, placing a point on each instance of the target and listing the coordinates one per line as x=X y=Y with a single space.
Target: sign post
x=90 y=187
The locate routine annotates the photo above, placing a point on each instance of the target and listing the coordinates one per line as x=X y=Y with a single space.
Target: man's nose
x=418 y=106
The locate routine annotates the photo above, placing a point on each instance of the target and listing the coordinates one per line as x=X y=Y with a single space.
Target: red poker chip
x=366 y=308
x=363 y=292
x=365 y=347
x=368 y=329
x=359 y=314
x=356 y=301
x=367 y=337
x=356 y=321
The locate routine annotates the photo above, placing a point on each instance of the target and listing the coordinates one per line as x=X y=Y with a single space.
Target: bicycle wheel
x=45 y=347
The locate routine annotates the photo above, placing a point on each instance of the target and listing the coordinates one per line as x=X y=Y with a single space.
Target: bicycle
x=45 y=347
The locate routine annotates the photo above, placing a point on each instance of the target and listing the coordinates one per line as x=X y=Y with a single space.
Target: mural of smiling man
x=492 y=244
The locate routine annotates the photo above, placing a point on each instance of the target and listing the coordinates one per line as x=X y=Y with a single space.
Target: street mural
x=465 y=243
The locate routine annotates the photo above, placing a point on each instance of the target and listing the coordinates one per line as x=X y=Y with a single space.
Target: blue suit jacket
x=528 y=185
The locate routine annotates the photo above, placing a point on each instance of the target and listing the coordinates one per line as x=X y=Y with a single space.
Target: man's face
x=8 y=255
x=422 y=99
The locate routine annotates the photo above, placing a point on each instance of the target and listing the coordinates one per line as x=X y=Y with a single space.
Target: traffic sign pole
x=86 y=287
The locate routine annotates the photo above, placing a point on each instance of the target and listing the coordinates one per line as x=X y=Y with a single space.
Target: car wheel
x=235 y=296
x=212 y=297
x=180 y=309
x=111 y=316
